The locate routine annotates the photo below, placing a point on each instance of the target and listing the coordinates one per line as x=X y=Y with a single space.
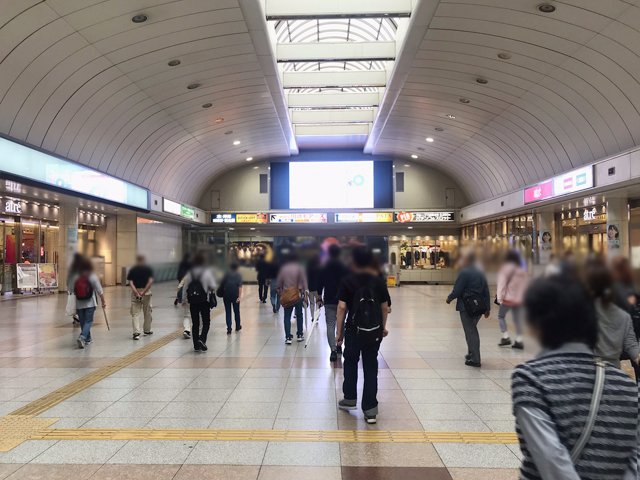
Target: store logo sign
x=12 y=207
x=539 y=192
x=589 y=215
x=573 y=181
x=404 y=217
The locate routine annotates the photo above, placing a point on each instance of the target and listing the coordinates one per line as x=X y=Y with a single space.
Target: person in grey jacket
x=615 y=329
x=471 y=281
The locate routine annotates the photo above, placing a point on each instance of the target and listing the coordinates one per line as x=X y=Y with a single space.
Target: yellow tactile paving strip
x=348 y=436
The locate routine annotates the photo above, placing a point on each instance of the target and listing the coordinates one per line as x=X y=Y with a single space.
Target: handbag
x=475 y=305
x=598 y=387
x=495 y=300
x=213 y=301
x=290 y=297
x=70 y=309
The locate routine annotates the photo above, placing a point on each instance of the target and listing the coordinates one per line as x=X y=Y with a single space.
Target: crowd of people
x=576 y=411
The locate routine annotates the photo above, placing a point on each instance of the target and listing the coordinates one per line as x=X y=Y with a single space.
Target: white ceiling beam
x=330 y=99
x=331 y=116
x=328 y=52
x=338 y=129
x=295 y=9
x=368 y=78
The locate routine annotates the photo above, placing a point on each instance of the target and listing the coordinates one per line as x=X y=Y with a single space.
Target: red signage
x=539 y=192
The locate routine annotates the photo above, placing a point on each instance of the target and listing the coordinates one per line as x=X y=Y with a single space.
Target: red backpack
x=83 y=288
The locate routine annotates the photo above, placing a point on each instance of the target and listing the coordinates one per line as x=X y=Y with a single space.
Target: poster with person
x=546 y=242
x=613 y=237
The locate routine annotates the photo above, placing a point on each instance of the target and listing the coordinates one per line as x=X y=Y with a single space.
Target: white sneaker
x=81 y=342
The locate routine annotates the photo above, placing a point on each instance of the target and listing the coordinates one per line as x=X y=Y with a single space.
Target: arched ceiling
x=568 y=95
x=79 y=78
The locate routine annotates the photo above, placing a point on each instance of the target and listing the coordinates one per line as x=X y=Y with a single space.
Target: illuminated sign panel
x=408 y=217
x=252 y=218
x=539 y=192
x=12 y=207
x=171 y=207
x=369 y=217
x=575 y=181
x=188 y=212
x=298 y=218
x=223 y=218
x=20 y=160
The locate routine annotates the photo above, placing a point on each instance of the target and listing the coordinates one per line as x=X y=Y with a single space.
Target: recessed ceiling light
x=252 y=228
x=410 y=228
x=193 y=86
x=140 y=18
x=255 y=168
x=207 y=105
x=407 y=165
x=414 y=156
x=546 y=8
x=452 y=117
x=504 y=56
x=482 y=81
x=219 y=120
x=229 y=132
x=249 y=159
x=465 y=100
x=174 y=63
x=237 y=142
x=439 y=129
x=429 y=139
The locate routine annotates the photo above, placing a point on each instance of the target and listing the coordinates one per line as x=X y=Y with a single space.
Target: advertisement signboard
x=223 y=218
x=571 y=182
x=298 y=218
x=409 y=217
x=47 y=275
x=252 y=218
x=538 y=193
x=369 y=217
x=27 y=274
x=169 y=206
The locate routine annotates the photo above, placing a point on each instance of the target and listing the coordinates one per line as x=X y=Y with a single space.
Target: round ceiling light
x=439 y=129
x=193 y=86
x=465 y=100
x=174 y=63
x=429 y=139
x=482 y=81
x=237 y=142
x=546 y=8
x=219 y=120
x=504 y=56
x=207 y=105
x=249 y=159
x=414 y=156
x=140 y=18
x=452 y=117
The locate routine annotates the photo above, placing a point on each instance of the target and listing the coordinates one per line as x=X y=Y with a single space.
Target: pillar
x=126 y=242
x=617 y=227
x=67 y=240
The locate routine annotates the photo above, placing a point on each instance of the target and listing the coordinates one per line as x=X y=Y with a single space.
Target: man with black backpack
x=362 y=295
x=197 y=288
x=473 y=300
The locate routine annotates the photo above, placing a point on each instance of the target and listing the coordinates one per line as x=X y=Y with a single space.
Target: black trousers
x=197 y=310
x=263 y=289
x=351 y=356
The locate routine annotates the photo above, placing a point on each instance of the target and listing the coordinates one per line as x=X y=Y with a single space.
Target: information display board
x=368 y=217
x=223 y=218
x=27 y=275
x=298 y=218
x=48 y=275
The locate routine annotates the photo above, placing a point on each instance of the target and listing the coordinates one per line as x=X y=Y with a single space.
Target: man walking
x=140 y=279
x=198 y=285
x=328 y=282
x=364 y=296
x=263 y=286
x=473 y=300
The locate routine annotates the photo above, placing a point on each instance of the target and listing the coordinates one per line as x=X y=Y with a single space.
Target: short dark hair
x=234 y=267
x=600 y=281
x=562 y=309
x=334 y=251
x=512 y=257
x=362 y=257
x=199 y=259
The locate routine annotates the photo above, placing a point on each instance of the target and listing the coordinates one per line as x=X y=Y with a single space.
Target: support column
x=126 y=244
x=617 y=227
x=546 y=236
x=67 y=240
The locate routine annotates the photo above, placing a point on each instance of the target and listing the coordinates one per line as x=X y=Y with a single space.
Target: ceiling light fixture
x=229 y=132
x=406 y=165
x=421 y=149
x=429 y=139
x=207 y=105
x=237 y=142
x=414 y=156
x=546 y=8
x=439 y=129
x=504 y=56
x=174 y=63
x=249 y=159
x=193 y=86
x=465 y=100
x=140 y=18
x=410 y=228
x=219 y=120
x=244 y=151
x=255 y=168
x=452 y=117
x=482 y=81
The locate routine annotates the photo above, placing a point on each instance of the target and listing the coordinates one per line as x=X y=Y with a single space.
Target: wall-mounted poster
x=27 y=275
x=613 y=237
x=47 y=275
x=546 y=242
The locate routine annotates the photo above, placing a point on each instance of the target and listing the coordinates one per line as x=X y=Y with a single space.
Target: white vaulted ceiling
x=79 y=78
x=569 y=94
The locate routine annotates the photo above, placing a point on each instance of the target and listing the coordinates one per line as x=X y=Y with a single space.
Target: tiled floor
x=252 y=380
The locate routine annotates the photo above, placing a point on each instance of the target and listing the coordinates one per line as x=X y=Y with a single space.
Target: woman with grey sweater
x=615 y=329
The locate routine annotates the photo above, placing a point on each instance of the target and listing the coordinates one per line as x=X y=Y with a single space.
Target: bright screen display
x=331 y=184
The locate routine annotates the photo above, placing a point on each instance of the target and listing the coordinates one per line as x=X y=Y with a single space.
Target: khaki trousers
x=143 y=306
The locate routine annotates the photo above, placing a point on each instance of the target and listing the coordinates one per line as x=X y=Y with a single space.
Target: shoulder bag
x=598 y=387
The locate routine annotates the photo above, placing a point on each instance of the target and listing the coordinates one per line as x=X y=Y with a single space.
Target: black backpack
x=196 y=293
x=475 y=305
x=367 y=315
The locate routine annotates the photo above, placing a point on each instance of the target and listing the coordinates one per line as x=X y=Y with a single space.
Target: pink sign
x=539 y=192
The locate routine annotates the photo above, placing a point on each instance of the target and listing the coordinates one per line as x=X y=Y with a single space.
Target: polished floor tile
x=395 y=473
x=389 y=455
x=136 y=472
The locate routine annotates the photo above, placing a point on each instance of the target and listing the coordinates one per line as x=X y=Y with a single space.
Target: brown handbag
x=290 y=297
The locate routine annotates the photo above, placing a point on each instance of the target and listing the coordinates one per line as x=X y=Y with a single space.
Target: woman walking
x=512 y=283
x=232 y=286
x=553 y=393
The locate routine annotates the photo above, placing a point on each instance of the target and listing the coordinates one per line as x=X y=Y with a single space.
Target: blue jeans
x=235 y=306
x=275 y=296
x=287 y=319
x=86 y=320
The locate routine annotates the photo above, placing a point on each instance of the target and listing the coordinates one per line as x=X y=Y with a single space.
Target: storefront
x=583 y=231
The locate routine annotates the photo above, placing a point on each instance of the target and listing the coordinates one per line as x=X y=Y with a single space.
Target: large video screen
x=331 y=184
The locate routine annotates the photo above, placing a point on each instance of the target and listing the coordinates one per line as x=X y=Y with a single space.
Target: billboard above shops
x=298 y=218
x=223 y=218
x=417 y=217
x=369 y=217
x=169 y=206
x=564 y=184
x=252 y=218
x=42 y=168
